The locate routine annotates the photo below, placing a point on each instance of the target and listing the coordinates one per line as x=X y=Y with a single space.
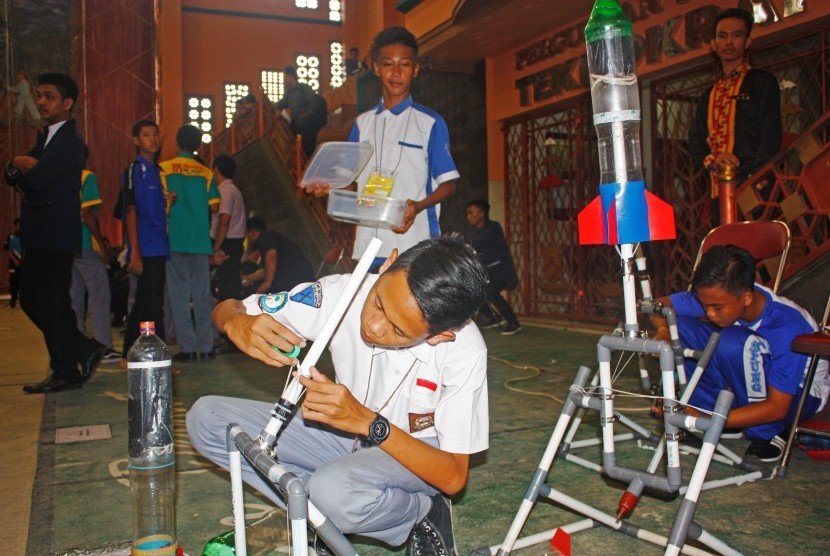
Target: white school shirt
x=449 y=379
x=413 y=143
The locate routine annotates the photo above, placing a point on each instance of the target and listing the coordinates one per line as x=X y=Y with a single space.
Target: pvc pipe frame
x=300 y=509
x=573 y=412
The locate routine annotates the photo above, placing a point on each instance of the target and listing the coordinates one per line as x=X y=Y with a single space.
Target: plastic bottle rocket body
x=625 y=212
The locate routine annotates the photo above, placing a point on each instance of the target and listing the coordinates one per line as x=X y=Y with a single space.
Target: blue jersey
x=144 y=189
x=780 y=322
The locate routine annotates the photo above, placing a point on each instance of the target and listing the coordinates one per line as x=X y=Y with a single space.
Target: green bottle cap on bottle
x=607 y=21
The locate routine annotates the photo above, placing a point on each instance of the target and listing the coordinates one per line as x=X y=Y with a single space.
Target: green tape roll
x=293 y=353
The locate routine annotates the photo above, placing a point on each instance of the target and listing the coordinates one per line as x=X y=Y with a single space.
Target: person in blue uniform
x=753 y=358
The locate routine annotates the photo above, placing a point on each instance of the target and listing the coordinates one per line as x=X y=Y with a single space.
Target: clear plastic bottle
x=152 y=459
x=614 y=92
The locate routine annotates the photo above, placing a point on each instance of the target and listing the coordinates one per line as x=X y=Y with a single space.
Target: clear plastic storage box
x=336 y=163
x=365 y=210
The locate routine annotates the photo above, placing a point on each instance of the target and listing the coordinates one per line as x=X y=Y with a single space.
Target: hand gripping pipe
x=648 y=307
x=283 y=409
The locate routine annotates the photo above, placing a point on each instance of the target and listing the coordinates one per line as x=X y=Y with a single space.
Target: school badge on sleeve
x=272 y=302
x=311 y=296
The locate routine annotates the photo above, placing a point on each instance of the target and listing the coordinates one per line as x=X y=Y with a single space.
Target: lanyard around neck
x=379 y=146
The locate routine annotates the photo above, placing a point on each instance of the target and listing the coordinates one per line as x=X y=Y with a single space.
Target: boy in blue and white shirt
x=411 y=148
x=753 y=358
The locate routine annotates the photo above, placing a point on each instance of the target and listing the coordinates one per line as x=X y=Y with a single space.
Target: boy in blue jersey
x=753 y=358
x=145 y=211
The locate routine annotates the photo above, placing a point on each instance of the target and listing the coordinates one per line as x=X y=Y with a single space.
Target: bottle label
x=149 y=364
x=617 y=116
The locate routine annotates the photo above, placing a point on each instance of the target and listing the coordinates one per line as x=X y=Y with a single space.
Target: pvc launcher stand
x=599 y=396
x=261 y=452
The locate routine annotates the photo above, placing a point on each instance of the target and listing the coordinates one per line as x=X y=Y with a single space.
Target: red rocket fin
x=591 y=223
x=660 y=218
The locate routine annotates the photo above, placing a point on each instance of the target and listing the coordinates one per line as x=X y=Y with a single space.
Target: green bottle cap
x=607 y=21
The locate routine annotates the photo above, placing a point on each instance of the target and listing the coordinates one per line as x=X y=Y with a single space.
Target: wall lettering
x=652 y=46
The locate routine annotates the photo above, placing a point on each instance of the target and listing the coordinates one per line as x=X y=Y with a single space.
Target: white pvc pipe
x=594 y=441
x=737 y=481
x=699 y=473
x=607 y=403
x=612 y=523
x=587 y=464
x=546 y=536
x=340 y=307
x=294 y=390
x=713 y=542
x=629 y=284
x=299 y=534
x=237 y=498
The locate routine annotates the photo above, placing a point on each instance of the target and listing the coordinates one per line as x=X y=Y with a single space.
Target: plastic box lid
x=336 y=163
x=365 y=210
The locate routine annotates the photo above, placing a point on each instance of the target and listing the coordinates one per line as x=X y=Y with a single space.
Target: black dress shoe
x=51 y=384
x=91 y=362
x=209 y=355
x=186 y=357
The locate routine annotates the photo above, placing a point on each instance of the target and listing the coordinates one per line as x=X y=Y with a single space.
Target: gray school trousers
x=364 y=491
x=90 y=292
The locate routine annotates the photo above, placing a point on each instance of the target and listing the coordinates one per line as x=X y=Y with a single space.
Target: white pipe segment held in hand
x=294 y=390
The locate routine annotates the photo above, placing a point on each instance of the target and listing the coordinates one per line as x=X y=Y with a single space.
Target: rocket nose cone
x=605 y=16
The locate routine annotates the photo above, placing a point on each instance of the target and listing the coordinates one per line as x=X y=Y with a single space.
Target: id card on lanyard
x=380 y=183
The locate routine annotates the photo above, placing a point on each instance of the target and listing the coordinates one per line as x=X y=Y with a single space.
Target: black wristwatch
x=379 y=430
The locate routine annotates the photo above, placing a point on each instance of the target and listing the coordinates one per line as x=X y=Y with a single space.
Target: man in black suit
x=49 y=176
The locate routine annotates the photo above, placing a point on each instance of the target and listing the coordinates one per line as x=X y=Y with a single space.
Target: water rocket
x=625 y=211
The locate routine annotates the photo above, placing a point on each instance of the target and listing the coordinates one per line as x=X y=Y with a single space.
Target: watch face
x=379 y=429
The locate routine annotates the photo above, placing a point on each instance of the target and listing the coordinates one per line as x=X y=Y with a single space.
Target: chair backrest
x=763 y=239
x=825 y=320
x=332 y=258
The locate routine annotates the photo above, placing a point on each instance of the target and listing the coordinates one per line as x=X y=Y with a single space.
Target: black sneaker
x=767 y=451
x=433 y=535
x=511 y=329
x=186 y=357
x=492 y=323
x=110 y=357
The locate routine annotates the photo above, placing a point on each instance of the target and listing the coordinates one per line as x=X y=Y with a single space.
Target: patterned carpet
x=81 y=499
